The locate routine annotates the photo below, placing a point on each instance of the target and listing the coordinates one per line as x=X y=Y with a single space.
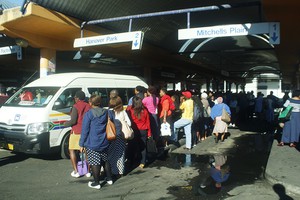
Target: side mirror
x=58 y=105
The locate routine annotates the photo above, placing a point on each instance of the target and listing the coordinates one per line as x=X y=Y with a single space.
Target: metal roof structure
x=230 y=57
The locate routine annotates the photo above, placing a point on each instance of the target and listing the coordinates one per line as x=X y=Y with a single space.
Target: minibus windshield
x=32 y=97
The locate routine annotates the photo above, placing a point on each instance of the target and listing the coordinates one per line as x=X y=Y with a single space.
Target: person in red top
x=140 y=122
x=165 y=111
x=79 y=109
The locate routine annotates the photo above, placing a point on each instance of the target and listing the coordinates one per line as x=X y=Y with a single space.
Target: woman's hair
x=164 y=90
x=95 y=100
x=152 y=91
x=116 y=104
x=137 y=106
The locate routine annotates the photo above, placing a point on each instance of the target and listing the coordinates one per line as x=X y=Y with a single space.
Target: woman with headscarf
x=207 y=123
x=216 y=114
x=93 y=140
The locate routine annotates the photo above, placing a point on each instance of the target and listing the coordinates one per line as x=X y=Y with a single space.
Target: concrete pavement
x=283 y=165
x=284 y=168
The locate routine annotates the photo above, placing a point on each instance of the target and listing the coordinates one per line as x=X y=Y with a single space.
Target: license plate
x=10 y=146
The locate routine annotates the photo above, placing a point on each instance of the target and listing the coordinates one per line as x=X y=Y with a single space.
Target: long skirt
x=220 y=126
x=116 y=155
x=291 y=129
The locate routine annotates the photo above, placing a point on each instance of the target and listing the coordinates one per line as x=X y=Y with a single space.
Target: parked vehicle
x=31 y=121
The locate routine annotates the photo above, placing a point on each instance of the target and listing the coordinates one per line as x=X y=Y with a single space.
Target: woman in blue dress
x=291 y=128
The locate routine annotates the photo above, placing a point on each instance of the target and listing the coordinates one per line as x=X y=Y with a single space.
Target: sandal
x=142 y=166
x=280 y=144
x=292 y=145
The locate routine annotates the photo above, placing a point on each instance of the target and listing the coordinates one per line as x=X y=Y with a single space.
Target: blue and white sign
x=135 y=37
x=230 y=30
x=12 y=49
x=274 y=33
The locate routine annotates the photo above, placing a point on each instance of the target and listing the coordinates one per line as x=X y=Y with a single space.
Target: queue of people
x=197 y=115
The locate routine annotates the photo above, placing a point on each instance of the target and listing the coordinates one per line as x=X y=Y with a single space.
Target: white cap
x=203 y=95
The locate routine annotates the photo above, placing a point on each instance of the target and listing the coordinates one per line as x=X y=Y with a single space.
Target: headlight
x=38 y=128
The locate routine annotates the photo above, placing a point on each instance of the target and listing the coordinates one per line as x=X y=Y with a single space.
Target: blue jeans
x=187 y=125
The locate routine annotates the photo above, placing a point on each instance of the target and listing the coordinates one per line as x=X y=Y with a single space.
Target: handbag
x=127 y=131
x=225 y=116
x=151 y=145
x=111 y=133
x=165 y=129
x=82 y=166
x=285 y=114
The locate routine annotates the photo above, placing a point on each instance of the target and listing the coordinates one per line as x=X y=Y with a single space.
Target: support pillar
x=47 y=62
x=255 y=86
x=208 y=84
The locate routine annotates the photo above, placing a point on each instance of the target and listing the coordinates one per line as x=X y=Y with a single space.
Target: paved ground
x=174 y=175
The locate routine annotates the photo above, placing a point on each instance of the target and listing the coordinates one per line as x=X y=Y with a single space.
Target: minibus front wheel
x=64 y=150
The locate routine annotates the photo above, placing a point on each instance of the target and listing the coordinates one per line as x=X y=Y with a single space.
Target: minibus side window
x=103 y=93
x=66 y=99
x=125 y=94
x=130 y=93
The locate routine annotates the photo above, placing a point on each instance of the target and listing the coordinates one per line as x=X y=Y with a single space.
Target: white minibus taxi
x=31 y=121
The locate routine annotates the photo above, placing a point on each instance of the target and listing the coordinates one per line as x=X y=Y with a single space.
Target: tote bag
x=111 y=133
x=225 y=116
x=82 y=166
x=285 y=114
x=127 y=131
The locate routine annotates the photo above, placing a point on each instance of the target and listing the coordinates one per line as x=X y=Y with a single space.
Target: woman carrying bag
x=93 y=139
x=141 y=125
x=291 y=128
x=221 y=127
x=116 y=151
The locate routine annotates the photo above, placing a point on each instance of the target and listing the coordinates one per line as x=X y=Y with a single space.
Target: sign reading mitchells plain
x=271 y=28
x=135 y=37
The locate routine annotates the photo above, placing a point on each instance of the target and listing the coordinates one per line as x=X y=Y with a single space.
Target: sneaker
x=109 y=182
x=94 y=185
x=75 y=174
x=88 y=175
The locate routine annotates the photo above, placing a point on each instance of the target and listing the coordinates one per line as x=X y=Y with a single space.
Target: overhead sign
x=135 y=37
x=231 y=30
x=274 y=33
x=10 y=50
